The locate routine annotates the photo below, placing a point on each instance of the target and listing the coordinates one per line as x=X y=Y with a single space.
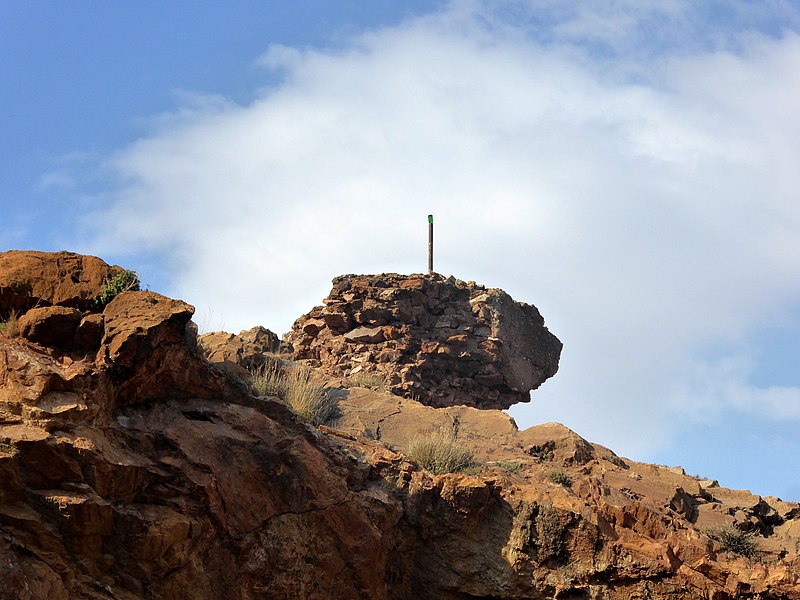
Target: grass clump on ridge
x=121 y=281
x=737 y=541
x=439 y=452
x=296 y=386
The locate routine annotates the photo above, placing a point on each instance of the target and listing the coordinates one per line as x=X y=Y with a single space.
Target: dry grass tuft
x=370 y=380
x=439 y=452
x=269 y=379
x=297 y=387
x=9 y=326
x=308 y=398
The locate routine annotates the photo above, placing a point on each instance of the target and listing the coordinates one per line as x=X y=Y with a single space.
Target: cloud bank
x=631 y=171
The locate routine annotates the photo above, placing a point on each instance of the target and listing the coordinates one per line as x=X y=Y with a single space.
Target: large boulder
x=30 y=279
x=438 y=340
x=147 y=351
x=53 y=326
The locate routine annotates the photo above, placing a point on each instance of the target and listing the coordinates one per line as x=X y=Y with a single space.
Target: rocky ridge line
x=132 y=469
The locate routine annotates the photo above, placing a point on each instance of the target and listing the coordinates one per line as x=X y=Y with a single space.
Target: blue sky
x=630 y=168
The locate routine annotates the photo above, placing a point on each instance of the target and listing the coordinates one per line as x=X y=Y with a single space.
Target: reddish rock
x=29 y=278
x=251 y=349
x=52 y=326
x=262 y=338
x=441 y=341
x=146 y=349
x=89 y=333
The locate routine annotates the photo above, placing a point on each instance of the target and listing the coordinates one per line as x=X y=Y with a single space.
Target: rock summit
x=437 y=340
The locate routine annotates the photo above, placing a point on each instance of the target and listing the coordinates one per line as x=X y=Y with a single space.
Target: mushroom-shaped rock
x=438 y=340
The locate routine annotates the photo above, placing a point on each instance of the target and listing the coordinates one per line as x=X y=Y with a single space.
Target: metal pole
x=430 y=244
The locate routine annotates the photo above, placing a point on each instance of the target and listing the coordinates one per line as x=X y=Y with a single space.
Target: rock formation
x=438 y=340
x=249 y=349
x=132 y=469
x=31 y=278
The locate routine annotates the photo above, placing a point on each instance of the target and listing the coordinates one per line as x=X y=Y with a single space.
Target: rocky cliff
x=131 y=468
x=438 y=340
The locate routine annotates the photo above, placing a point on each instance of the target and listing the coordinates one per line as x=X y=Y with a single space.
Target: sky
x=630 y=168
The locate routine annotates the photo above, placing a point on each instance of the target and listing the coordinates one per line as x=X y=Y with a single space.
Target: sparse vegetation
x=309 y=399
x=296 y=386
x=269 y=379
x=509 y=466
x=737 y=541
x=9 y=326
x=542 y=453
x=561 y=478
x=439 y=452
x=370 y=380
x=121 y=281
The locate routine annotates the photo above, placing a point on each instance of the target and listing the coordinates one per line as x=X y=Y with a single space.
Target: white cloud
x=646 y=203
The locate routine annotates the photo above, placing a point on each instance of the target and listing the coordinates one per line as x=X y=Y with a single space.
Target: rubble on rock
x=133 y=469
x=440 y=341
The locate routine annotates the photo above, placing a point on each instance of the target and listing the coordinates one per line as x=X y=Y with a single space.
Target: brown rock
x=262 y=338
x=365 y=335
x=52 y=326
x=89 y=333
x=29 y=278
x=145 y=347
x=220 y=346
x=440 y=341
x=251 y=349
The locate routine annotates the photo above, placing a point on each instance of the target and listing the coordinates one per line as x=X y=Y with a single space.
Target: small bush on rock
x=561 y=478
x=121 y=281
x=509 y=466
x=737 y=541
x=439 y=452
x=374 y=381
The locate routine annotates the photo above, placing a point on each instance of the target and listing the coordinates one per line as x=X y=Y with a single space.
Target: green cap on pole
x=430 y=219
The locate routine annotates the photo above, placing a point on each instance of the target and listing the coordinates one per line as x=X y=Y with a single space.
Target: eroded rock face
x=30 y=278
x=440 y=341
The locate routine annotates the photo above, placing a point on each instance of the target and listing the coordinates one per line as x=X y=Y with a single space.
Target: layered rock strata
x=440 y=341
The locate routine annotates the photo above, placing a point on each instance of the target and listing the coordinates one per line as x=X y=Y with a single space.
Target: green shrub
x=736 y=541
x=439 y=452
x=122 y=280
x=561 y=478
